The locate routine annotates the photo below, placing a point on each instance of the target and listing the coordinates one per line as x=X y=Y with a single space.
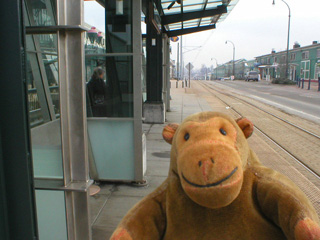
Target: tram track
x=309 y=165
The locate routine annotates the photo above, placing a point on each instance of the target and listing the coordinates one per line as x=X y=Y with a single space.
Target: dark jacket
x=97 y=97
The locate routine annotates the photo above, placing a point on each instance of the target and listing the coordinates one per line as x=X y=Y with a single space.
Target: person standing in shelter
x=96 y=88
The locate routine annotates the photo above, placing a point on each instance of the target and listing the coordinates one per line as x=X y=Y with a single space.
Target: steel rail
x=306 y=166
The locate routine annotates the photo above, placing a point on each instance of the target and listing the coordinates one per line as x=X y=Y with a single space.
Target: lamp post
x=287 y=63
x=216 y=67
x=233 y=56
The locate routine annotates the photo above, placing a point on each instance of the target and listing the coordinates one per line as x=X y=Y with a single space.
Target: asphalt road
x=290 y=99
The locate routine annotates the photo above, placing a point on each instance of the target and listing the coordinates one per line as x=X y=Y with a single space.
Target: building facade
x=303 y=63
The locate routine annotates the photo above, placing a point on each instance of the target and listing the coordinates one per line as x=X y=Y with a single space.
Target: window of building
x=305 y=55
x=262 y=61
x=318 y=53
x=283 y=58
x=293 y=56
x=275 y=59
x=268 y=60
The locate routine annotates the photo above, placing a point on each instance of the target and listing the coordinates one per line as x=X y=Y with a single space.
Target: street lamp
x=233 y=56
x=216 y=67
x=287 y=63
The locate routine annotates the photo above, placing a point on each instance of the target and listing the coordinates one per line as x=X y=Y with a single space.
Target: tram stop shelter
x=52 y=145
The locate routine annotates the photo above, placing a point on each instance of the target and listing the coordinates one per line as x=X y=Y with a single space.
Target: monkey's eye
x=186 y=136
x=223 y=132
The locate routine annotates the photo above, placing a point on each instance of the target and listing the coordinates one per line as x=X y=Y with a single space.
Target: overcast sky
x=254 y=26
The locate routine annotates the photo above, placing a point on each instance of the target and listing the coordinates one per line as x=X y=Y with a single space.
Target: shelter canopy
x=193 y=15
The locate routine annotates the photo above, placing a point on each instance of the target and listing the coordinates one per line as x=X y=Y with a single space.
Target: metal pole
x=181 y=61
x=233 y=60
x=216 y=67
x=234 y=53
x=178 y=66
x=288 y=38
x=189 y=75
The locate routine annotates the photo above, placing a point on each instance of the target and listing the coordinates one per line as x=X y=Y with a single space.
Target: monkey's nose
x=200 y=162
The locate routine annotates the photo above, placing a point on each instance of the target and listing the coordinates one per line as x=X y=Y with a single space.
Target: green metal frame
x=189 y=30
x=169 y=19
x=16 y=183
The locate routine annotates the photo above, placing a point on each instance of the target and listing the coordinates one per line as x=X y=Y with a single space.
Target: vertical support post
x=302 y=83
x=154 y=109
x=178 y=63
x=154 y=65
x=309 y=83
x=318 y=83
x=139 y=157
x=181 y=60
x=17 y=199
x=74 y=118
x=167 y=59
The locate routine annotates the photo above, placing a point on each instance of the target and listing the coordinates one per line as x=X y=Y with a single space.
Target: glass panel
x=109 y=86
x=41 y=12
x=44 y=105
x=42 y=78
x=186 y=25
x=194 y=21
x=171 y=11
x=94 y=17
x=35 y=112
x=118 y=26
x=213 y=5
x=51 y=214
x=144 y=70
x=188 y=2
x=207 y=19
x=175 y=26
x=192 y=8
x=106 y=138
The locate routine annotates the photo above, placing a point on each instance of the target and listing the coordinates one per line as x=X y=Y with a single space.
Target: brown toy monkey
x=217 y=189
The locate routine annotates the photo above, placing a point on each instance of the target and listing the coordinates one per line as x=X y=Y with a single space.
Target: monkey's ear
x=169 y=131
x=246 y=125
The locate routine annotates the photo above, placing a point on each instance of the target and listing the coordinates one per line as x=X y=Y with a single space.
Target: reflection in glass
x=41 y=12
x=42 y=78
x=35 y=114
x=117 y=88
x=118 y=27
x=44 y=105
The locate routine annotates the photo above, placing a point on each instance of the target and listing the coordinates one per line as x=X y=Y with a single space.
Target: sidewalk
x=313 y=86
x=114 y=200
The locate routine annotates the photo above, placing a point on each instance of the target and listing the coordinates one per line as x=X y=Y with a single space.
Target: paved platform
x=114 y=200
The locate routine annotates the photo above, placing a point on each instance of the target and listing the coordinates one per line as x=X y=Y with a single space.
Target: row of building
x=304 y=63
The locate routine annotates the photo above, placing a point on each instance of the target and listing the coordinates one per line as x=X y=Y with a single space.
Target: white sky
x=254 y=26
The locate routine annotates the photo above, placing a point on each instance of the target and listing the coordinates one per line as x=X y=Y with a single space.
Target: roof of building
x=291 y=50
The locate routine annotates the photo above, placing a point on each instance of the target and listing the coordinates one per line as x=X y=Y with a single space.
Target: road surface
x=291 y=99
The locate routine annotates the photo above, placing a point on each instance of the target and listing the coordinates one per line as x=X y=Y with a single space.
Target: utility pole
x=181 y=60
x=178 y=66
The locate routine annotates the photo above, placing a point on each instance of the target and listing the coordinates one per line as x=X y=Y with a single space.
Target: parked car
x=252 y=75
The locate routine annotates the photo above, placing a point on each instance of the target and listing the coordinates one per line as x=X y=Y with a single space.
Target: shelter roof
x=181 y=17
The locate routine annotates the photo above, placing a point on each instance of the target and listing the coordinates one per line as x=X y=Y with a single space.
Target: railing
x=311 y=83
